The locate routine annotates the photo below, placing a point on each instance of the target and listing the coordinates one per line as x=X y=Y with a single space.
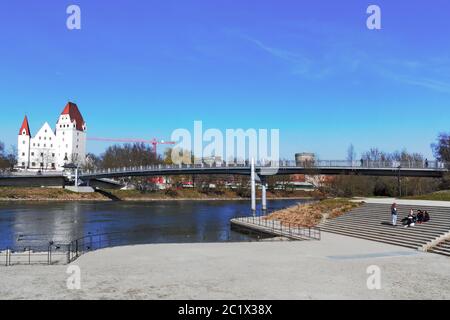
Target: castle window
x=32 y=154
x=33 y=164
x=45 y=130
x=23 y=164
x=23 y=142
x=53 y=165
x=45 y=138
x=53 y=155
x=39 y=145
x=23 y=154
x=42 y=154
x=42 y=164
x=40 y=138
x=51 y=146
x=34 y=144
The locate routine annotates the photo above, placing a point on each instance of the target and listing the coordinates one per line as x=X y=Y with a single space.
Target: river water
x=34 y=224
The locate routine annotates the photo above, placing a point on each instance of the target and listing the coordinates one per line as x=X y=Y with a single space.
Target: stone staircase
x=442 y=248
x=373 y=222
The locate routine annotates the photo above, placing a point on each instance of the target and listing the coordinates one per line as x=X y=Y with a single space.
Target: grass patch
x=310 y=215
x=435 y=196
x=19 y=193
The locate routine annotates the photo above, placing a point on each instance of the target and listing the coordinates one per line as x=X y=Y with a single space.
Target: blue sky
x=141 y=69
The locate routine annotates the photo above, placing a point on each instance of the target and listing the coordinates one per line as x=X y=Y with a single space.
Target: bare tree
x=351 y=154
x=441 y=148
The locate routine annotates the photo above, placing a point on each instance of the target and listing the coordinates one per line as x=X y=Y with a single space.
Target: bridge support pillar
x=264 y=195
x=76 y=177
x=253 y=186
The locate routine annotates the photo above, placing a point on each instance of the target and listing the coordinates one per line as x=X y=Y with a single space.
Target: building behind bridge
x=50 y=149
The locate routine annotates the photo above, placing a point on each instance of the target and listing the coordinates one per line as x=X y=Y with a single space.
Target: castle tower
x=70 y=136
x=23 y=145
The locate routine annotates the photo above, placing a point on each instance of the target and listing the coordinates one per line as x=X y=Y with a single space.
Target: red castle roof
x=71 y=109
x=25 y=126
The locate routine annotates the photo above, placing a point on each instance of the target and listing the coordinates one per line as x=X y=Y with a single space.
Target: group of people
x=411 y=219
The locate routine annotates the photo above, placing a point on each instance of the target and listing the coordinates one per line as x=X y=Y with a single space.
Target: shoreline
x=148 y=199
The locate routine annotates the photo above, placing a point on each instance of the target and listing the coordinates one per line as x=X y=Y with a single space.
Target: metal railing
x=280 y=228
x=52 y=254
x=430 y=165
x=364 y=164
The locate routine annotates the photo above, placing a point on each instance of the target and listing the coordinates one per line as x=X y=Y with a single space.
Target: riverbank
x=61 y=195
x=334 y=268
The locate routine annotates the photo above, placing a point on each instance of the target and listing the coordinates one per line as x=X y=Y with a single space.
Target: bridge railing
x=361 y=164
x=280 y=228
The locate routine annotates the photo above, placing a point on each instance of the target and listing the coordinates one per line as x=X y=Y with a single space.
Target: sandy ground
x=334 y=268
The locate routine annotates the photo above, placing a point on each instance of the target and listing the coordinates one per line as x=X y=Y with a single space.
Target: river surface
x=35 y=224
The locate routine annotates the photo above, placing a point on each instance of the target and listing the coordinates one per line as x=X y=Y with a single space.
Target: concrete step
x=431 y=211
x=384 y=220
x=399 y=230
x=418 y=241
x=386 y=225
x=435 y=223
x=432 y=215
x=444 y=245
x=371 y=222
x=439 y=251
x=394 y=232
x=372 y=238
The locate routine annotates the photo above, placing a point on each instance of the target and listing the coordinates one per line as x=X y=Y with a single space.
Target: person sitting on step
x=426 y=217
x=420 y=216
x=409 y=220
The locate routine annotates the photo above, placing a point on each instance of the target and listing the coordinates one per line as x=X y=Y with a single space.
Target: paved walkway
x=334 y=268
x=405 y=202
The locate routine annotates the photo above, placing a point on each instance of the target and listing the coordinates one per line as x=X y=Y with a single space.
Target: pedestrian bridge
x=324 y=167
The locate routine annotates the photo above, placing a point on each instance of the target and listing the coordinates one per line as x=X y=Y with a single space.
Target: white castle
x=51 y=149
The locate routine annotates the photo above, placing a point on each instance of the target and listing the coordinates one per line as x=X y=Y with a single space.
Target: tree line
x=353 y=185
x=140 y=154
x=7 y=159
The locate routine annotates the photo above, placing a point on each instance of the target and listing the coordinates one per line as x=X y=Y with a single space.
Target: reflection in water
x=35 y=224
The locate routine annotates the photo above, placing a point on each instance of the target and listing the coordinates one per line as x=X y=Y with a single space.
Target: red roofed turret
x=72 y=110
x=25 y=126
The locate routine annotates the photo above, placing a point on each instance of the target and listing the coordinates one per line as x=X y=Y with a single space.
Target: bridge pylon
x=253 y=186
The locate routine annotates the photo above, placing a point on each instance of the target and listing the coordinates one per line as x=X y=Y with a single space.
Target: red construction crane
x=154 y=142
